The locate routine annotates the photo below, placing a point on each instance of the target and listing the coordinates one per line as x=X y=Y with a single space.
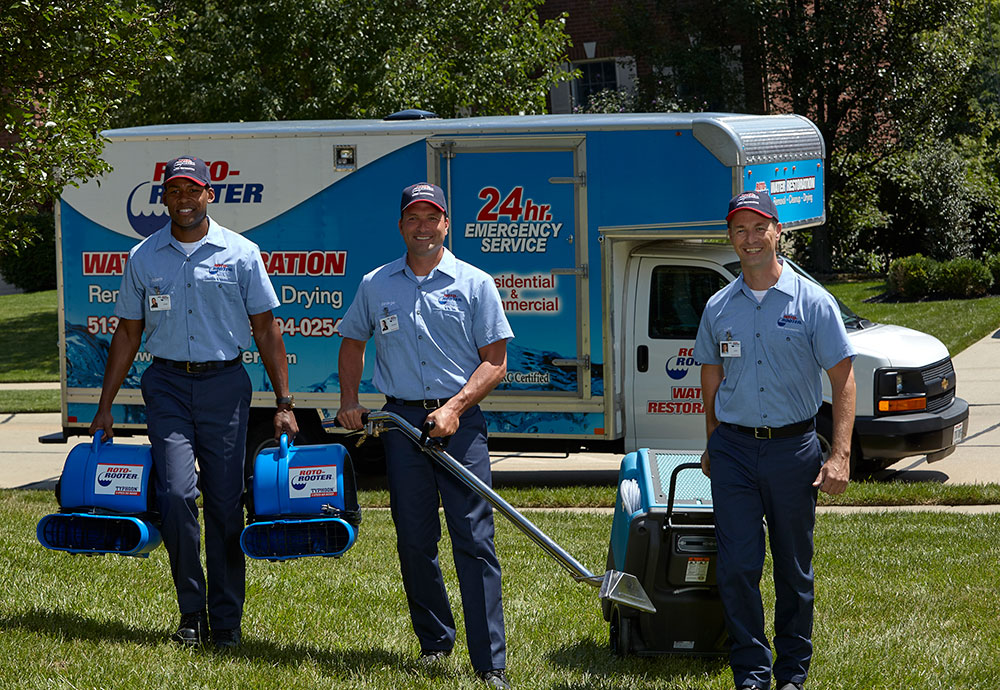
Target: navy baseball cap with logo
x=423 y=191
x=188 y=167
x=758 y=202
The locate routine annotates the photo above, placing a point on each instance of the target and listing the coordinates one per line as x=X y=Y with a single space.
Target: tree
x=325 y=59
x=64 y=68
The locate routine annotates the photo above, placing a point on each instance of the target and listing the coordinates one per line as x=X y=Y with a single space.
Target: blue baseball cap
x=188 y=167
x=758 y=202
x=423 y=191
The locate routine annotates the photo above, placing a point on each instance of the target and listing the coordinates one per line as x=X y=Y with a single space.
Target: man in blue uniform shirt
x=440 y=347
x=763 y=342
x=196 y=289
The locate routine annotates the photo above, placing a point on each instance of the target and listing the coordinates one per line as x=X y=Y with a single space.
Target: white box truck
x=604 y=234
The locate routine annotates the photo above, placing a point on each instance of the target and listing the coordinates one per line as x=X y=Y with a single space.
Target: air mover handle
x=99 y=439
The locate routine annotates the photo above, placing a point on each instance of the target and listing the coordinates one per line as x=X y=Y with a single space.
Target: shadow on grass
x=605 y=670
x=69 y=625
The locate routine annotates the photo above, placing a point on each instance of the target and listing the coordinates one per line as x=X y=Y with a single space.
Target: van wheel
x=824 y=432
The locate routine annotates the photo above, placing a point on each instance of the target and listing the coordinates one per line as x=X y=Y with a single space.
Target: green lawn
x=904 y=600
x=956 y=323
x=29 y=337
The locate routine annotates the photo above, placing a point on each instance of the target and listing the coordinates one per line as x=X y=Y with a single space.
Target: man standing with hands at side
x=196 y=289
x=764 y=341
x=440 y=347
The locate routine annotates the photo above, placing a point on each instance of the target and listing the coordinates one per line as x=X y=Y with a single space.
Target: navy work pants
x=201 y=416
x=753 y=480
x=415 y=481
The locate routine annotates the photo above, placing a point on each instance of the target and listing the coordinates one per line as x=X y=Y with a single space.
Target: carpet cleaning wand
x=613 y=585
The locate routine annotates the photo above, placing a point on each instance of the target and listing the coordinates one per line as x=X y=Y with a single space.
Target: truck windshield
x=851 y=320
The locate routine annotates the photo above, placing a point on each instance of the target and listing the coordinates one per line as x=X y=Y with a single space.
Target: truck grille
x=932 y=375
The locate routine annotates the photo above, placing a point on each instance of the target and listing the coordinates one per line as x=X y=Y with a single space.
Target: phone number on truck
x=309 y=327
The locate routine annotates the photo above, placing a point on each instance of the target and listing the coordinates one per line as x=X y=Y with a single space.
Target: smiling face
x=187 y=205
x=423 y=227
x=755 y=239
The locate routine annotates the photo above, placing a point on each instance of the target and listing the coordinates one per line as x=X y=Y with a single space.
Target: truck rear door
x=517 y=212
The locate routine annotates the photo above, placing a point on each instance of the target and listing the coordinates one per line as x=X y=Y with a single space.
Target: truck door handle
x=642 y=358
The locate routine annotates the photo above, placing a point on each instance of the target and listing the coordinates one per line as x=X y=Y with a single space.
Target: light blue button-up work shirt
x=786 y=342
x=427 y=335
x=211 y=293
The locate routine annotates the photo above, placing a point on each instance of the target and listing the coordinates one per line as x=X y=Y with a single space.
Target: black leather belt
x=765 y=432
x=198 y=367
x=429 y=404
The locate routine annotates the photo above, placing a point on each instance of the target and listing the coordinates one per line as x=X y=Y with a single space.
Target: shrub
x=992 y=262
x=913 y=277
x=963 y=277
x=29 y=264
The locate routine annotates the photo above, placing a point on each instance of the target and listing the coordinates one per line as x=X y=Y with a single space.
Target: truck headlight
x=899 y=390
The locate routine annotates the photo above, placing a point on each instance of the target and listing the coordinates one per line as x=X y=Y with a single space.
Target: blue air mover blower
x=663 y=533
x=106 y=502
x=303 y=502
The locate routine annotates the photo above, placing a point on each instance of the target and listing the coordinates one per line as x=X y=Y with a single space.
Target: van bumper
x=901 y=436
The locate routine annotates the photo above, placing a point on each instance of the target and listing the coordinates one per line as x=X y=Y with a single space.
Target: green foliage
x=992 y=262
x=64 y=68
x=29 y=260
x=918 y=277
x=325 y=59
x=913 y=277
x=964 y=278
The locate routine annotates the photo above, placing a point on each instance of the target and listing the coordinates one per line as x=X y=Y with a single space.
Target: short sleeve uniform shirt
x=427 y=333
x=196 y=308
x=785 y=342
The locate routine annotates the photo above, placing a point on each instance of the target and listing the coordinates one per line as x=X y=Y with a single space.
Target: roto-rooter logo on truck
x=145 y=203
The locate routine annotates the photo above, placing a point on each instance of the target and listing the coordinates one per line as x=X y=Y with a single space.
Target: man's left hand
x=835 y=474
x=284 y=423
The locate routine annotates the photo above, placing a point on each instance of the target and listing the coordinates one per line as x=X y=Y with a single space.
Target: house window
x=594 y=78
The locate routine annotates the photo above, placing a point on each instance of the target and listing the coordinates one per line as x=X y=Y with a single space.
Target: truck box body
x=567 y=213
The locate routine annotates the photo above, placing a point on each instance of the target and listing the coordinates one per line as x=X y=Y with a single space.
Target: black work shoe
x=193 y=629
x=226 y=639
x=789 y=685
x=431 y=657
x=495 y=679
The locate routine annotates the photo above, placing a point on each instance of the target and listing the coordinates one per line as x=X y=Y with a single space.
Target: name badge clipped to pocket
x=729 y=347
x=159 y=302
x=388 y=324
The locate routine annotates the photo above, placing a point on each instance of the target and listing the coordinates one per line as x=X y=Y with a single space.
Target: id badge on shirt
x=729 y=348
x=389 y=323
x=159 y=302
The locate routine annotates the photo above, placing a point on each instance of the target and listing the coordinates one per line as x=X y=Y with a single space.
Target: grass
x=859 y=493
x=903 y=600
x=29 y=401
x=29 y=337
x=956 y=323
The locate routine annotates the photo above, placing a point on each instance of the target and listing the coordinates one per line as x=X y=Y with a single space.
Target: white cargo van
x=603 y=234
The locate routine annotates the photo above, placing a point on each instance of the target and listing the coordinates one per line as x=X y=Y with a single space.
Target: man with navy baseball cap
x=200 y=295
x=764 y=341
x=440 y=347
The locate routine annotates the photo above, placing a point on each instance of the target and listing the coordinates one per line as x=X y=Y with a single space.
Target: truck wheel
x=620 y=633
